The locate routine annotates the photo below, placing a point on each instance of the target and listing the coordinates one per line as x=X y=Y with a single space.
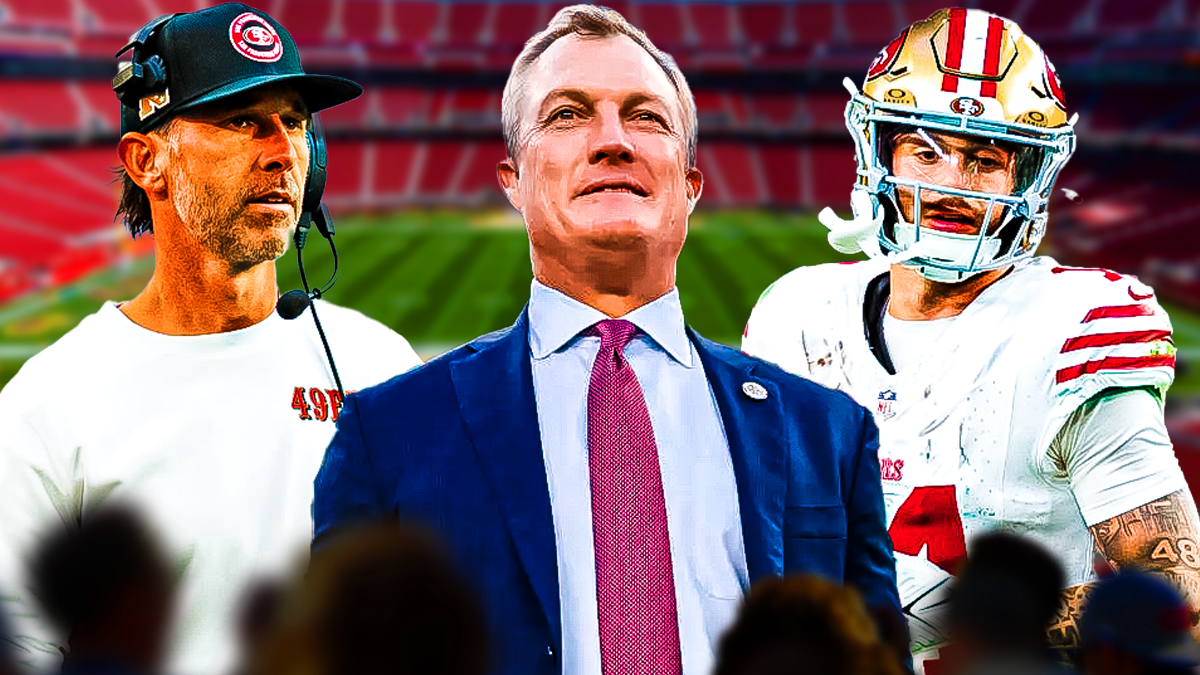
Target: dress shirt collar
x=556 y=319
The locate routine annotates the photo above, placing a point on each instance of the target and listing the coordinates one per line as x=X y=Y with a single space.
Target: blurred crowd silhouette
x=385 y=598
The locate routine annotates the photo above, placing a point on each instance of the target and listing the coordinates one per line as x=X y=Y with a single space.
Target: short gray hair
x=589 y=21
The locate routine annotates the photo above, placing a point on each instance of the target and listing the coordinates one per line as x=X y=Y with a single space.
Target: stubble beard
x=224 y=228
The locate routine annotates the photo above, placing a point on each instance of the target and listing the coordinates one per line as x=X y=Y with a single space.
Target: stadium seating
x=785 y=147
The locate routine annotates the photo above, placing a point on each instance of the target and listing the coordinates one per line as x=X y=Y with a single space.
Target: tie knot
x=614 y=333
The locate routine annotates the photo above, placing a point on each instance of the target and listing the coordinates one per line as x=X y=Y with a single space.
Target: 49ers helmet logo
x=887 y=57
x=1055 y=86
x=255 y=39
x=965 y=105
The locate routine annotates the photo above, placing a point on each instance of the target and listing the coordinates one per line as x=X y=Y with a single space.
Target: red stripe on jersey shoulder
x=1119 y=312
x=1110 y=339
x=1114 y=363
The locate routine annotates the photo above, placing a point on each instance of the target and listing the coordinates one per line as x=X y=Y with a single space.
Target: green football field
x=441 y=278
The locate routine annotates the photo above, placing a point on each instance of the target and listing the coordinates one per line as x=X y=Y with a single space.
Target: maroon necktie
x=635 y=590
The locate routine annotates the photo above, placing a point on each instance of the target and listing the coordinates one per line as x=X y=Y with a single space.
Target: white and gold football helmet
x=961 y=71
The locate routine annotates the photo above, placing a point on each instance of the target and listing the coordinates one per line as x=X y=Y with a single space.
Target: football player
x=1011 y=392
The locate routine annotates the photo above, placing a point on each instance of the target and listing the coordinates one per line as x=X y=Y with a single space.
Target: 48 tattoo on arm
x=1162 y=536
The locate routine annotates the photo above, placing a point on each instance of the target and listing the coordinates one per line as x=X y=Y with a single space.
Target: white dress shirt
x=708 y=554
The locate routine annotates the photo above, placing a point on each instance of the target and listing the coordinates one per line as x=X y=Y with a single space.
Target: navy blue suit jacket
x=455 y=443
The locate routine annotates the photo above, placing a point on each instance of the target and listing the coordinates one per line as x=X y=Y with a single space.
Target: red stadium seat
x=812 y=22
x=346 y=177
x=416 y=21
x=440 y=169
x=37 y=207
x=734 y=168
x=438 y=107
x=473 y=108
x=103 y=108
x=831 y=174
x=121 y=18
x=394 y=162
x=350 y=115
x=38 y=13
x=663 y=23
x=23 y=245
x=712 y=110
x=478 y=182
x=364 y=21
x=826 y=110
x=465 y=23
x=712 y=24
x=402 y=106
x=761 y=23
x=38 y=107
x=516 y=22
x=781 y=170
x=873 y=22
x=775 y=110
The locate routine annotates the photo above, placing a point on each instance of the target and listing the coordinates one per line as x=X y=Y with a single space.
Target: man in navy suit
x=611 y=481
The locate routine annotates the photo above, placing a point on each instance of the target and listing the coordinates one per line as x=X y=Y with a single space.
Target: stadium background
x=428 y=244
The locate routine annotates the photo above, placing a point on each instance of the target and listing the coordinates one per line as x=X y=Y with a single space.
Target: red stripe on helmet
x=1114 y=363
x=991 y=56
x=954 y=47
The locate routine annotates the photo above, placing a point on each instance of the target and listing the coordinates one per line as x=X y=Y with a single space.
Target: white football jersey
x=967 y=425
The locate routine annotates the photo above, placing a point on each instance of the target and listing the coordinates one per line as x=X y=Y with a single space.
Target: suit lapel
x=495 y=392
x=759 y=449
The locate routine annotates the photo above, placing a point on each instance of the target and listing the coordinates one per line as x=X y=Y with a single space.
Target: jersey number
x=929 y=517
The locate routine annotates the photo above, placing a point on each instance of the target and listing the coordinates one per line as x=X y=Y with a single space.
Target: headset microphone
x=293 y=303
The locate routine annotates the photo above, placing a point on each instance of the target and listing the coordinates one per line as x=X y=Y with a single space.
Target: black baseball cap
x=215 y=53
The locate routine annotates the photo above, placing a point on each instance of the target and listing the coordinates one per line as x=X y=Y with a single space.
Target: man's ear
x=510 y=179
x=137 y=153
x=695 y=185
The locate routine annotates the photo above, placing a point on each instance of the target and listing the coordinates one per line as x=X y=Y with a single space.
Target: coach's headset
x=146 y=73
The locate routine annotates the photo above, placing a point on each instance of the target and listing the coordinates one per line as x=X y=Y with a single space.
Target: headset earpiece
x=312 y=212
x=143 y=74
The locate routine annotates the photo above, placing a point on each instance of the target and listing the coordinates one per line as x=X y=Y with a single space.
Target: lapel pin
x=754 y=390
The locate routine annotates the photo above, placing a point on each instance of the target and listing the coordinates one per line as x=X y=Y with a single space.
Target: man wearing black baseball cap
x=194 y=399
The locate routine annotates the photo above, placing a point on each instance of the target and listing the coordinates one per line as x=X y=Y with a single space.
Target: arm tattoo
x=1162 y=537
x=1064 y=630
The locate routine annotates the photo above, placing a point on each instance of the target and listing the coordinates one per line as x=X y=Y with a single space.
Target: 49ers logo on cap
x=255 y=39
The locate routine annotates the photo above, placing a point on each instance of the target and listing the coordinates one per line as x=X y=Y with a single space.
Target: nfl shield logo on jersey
x=887 y=404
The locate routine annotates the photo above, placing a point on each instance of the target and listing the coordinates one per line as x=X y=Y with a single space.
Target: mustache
x=287 y=185
x=952 y=206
